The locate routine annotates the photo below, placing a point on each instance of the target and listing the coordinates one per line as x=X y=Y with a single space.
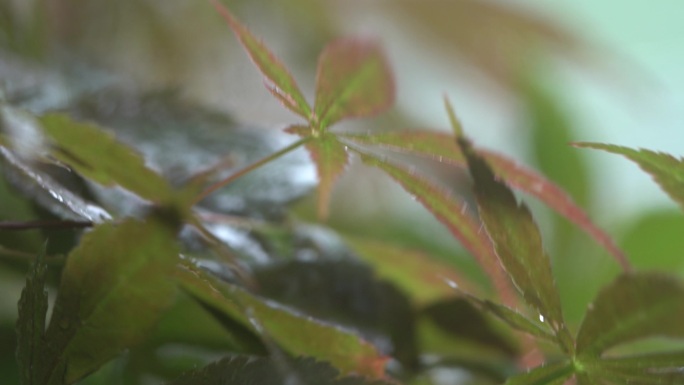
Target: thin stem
x=248 y=169
x=22 y=256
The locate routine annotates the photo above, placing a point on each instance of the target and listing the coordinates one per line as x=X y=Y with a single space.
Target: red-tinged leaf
x=665 y=169
x=280 y=82
x=420 y=276
x=517 y=242
x=454 y=214
x=296 y=333
x=633 y=307
x=551 y=374
x=442 y=147
x=354 y=80
x=330 y=157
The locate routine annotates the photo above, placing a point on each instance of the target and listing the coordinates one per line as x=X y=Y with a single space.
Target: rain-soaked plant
x=135 y=284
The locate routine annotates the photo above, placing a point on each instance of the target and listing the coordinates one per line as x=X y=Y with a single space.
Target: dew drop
x=541 y=318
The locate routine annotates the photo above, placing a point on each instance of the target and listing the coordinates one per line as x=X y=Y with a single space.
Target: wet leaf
x=517 y=242
x=97 y=155
x=423 y=278
x=294 y=332
x=242 y=370
x=33 y=306
x=280 y=82
x=449 y=210
x=665 y=169
x=330 y=157
x=346 y=293
x=460 y=318
x=550 y=374
x=634 y=306
x=353 y=80
x=443 y=148
x=514 y=319
x=114 y=287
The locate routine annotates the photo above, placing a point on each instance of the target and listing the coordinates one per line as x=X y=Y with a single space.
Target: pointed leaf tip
x=665 y=169
x=453 y=120
x=354 y=79
x=279 y=80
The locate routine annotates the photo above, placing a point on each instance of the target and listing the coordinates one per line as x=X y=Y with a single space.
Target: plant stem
x=248 y=169
x=32 y=225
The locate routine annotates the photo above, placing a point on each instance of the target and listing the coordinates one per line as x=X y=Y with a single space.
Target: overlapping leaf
x=517 y=242
x=665 y=169
x=280 y=82
x=330 y=157
x=33 y=306
x=655 y=368
x=295 y=333
x=113 y=289
x=635 y=306
x=97 y=155
x=452 y=212
x=442 y=147
x=345 y=293
x=422 y=277
x=353 y=80
x=242 y=370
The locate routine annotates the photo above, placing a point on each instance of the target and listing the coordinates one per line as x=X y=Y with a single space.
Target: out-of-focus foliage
x=163 y=244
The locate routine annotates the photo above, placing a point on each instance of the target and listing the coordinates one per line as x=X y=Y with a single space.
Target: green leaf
x=665 y=169
x=658 y=368
x=353 y=80
x=451 y=211
x=330 y=157
x=31 y=324
x=443 y=148
x=295 y=333
x=345 y=293
x=458 y=317
x=280 y=82
x=513 y=318
x=633 y=307
x=414 y=271
x=517 y=242
x=242 y=370
x=550 y=374
x=114 y=287
x=97 y=155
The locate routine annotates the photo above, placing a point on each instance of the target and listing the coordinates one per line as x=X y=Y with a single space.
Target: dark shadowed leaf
x=514 y=319
x=550 y=374
x=98 y=156
x=665 y=169
x=348 y=294
x=517 y=242
x=113 y=289
x=244 y=370
x=31 y=324
x=294 y=332
x=330 y=157
x=658 y=368
x=460 y=318
x=634 y=306
x=414 y=271
x=353 y=80
x=280 y=82
x=442 y=147
x=452 y=212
